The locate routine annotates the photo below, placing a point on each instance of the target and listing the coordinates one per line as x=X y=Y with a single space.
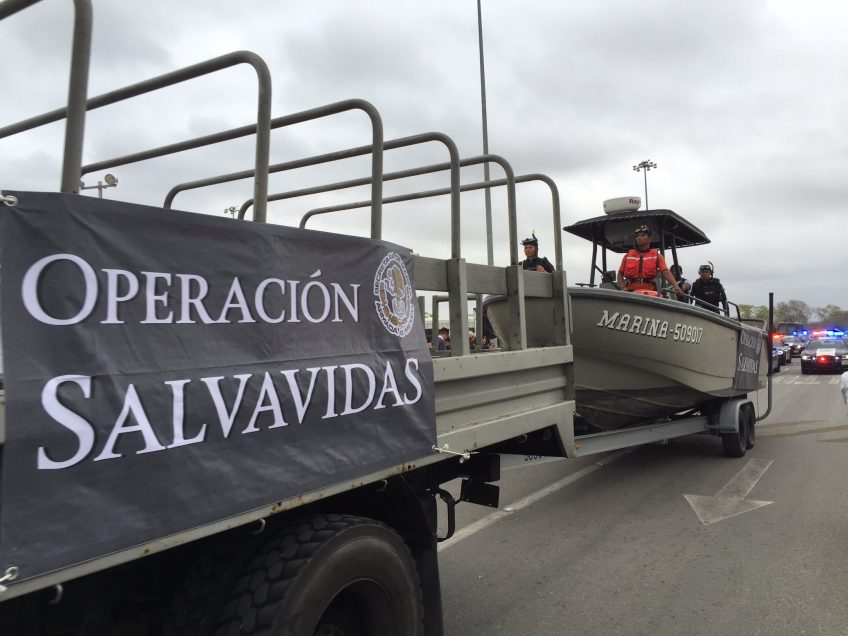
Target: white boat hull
x=638 y=358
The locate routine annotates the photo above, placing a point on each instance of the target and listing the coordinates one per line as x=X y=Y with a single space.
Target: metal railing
x=77 y=87
x=376 y=149
x=78 y=104
x=453 y=166
x=455 y=269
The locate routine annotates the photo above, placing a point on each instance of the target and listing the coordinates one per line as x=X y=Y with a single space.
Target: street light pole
x=111 y=182
x=645 y=166
x=488 y=194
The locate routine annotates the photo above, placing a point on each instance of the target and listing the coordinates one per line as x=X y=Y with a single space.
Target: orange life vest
x=641 y=266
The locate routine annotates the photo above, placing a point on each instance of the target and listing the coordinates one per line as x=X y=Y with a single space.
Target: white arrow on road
x=730 y=500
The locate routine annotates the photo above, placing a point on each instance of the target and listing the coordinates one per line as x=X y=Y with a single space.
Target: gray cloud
x=740 y=104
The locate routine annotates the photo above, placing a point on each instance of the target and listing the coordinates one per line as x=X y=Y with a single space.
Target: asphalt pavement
x=669 y=538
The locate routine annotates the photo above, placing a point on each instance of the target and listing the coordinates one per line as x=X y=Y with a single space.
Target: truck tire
x=330 y=574
x=736 y=444
x=195 y=606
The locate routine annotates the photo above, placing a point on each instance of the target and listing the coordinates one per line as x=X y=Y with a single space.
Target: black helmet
x=642 y=229
x=531 y=241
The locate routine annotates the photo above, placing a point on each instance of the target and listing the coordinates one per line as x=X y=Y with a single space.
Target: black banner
x=164 y=370
x=748 y=359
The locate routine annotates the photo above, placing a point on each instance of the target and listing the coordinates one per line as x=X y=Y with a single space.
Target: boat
x=641 y=357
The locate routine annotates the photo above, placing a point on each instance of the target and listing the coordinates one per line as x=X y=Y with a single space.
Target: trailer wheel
x=752 y=425
x=736 y=444
x=331 y=574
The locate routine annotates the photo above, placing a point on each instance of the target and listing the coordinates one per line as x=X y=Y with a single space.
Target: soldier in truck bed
x=532 y=260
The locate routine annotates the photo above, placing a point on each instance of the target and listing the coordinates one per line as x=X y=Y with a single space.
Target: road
x=613 y=546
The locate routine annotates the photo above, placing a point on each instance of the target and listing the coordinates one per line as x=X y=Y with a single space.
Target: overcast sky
x=741 y=104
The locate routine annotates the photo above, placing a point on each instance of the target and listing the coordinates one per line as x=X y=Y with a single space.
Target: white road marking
x=485 y=522
x=730 y=500
x=805 y=379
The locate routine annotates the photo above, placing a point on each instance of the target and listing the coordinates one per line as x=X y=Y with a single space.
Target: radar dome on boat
x=622 y=204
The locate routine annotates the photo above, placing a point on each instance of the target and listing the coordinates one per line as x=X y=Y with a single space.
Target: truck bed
x=481 y=401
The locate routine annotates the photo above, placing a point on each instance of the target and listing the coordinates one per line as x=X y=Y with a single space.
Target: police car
x=784 y=349
x=776 y=359
x=824 y=354
x=795 y=345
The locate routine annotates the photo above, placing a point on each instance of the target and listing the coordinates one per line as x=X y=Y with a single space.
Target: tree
x=761 y=312
x=832 y=314
x=792 y=311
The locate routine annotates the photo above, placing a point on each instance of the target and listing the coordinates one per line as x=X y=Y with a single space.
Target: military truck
x=205 y=432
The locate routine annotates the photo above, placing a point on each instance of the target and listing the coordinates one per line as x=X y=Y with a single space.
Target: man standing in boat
x=532 y=260
x=677 y=272
x=709 y=290
x=639 y=267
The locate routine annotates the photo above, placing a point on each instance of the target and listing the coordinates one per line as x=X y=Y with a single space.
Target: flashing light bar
x=835 y=333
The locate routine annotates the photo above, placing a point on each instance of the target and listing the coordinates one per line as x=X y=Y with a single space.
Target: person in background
x=532 y=260
x=444 y=339
x=677 y=272
x=843 y=386
x=709 y=290
x=639 y=267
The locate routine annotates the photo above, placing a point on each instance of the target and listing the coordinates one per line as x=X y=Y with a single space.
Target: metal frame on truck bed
x=361 y=548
